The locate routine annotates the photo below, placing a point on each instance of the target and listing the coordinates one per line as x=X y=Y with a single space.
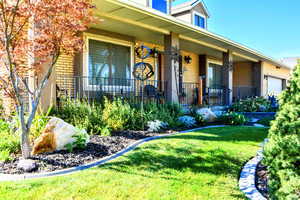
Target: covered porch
x=191 y=66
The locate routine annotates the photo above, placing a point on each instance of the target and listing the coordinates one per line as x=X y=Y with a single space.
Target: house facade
x=188 y=63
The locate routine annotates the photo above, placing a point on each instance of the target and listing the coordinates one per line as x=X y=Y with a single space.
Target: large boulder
x=56 y=135
x=207 y=114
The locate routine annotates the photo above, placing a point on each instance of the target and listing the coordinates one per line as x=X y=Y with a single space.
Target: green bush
x=282 y=152
x=257 y=104
x=81 y=114
x=9 y=142
x=168 y=113
x=232 y=118
x=266 y=121
x=117 y=114
x=81 y=139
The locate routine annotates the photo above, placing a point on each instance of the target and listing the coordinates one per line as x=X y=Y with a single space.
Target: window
x=199 y=20
x=214 y=76
x=108 y=62
x=161 y=5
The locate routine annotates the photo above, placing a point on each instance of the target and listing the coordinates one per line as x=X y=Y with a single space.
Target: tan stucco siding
x=190 y=71
x=242 y=74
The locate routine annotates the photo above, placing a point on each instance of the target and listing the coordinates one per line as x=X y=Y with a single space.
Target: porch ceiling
x=146 y=24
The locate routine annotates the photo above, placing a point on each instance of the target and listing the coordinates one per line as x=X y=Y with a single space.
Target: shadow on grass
x=176 y=160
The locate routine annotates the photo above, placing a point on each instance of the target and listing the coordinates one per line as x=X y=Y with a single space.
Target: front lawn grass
x=191 y=166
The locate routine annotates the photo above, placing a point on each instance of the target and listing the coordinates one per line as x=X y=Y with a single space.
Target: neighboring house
x=191 y=65
x=290 y=61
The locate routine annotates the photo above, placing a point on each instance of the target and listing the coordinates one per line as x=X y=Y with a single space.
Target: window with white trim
x=161 y=5
x=199 y=20
x=108 y=61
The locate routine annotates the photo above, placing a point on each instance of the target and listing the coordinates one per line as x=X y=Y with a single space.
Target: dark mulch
x=261 y=180
x=97 y=148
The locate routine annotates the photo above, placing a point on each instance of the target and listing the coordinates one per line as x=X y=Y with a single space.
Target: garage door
x=274 y=86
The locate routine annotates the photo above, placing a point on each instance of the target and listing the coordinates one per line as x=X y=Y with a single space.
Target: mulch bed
x=261 y=180
x=97 y=148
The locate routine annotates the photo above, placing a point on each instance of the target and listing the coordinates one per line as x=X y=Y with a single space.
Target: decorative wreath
x=143 y=71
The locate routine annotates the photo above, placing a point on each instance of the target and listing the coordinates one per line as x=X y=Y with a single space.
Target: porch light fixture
x=188 y=59
x=154 y=52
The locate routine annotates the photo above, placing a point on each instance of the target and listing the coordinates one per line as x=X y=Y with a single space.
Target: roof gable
x=180 y=6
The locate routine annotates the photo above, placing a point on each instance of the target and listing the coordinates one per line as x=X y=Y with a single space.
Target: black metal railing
x=215 y=96
x=95 y=88
x=243 y=92
x=189 y=93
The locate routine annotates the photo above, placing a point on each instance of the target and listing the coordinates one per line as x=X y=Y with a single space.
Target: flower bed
x=98 y=147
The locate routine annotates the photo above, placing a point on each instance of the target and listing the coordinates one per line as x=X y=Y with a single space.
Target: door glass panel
x=214 y=76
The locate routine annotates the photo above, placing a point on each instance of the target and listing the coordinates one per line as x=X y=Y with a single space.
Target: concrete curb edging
x=9 y=177
x=247 y=177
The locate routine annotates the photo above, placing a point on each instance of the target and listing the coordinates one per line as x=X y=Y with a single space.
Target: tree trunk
x=25 y=144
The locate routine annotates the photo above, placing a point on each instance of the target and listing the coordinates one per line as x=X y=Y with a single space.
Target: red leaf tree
x=33 y=33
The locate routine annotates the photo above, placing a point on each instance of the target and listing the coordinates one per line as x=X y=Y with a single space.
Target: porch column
x=171 y=67
x=258 y=78
x=227 y=72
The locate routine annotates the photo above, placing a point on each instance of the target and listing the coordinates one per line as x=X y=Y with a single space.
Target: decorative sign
x=143 y=71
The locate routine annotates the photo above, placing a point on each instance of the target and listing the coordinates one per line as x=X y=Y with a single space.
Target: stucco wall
x=242 y=74
x=276 y=72
x=190 y=71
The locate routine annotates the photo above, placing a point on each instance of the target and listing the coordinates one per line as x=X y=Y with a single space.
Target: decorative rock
x=253 y=120
x=207 y=114
x=56 y=135
x=259 y=125
x=27 y=165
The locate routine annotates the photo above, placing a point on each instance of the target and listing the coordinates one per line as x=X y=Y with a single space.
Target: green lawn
x=191 y=166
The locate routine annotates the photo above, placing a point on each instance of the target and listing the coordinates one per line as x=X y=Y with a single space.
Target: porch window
x=108 y=63
x=214 y=76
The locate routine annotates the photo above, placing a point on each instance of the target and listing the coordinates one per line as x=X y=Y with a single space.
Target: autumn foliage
x=33 y=33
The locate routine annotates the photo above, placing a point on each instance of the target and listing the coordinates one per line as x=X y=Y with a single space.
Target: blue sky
x=269 y=26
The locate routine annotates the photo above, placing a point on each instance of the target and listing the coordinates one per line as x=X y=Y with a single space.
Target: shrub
x=81 y=140
x=233 y=118
x=9 y=142
x=187 y=121
x=155 y=126
x=168 y=113
x=257 y=104
x=282 y=152
x=81 y=114
x=39 y=123
x=198 y=117
x=117 y=114
x=266 y=121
